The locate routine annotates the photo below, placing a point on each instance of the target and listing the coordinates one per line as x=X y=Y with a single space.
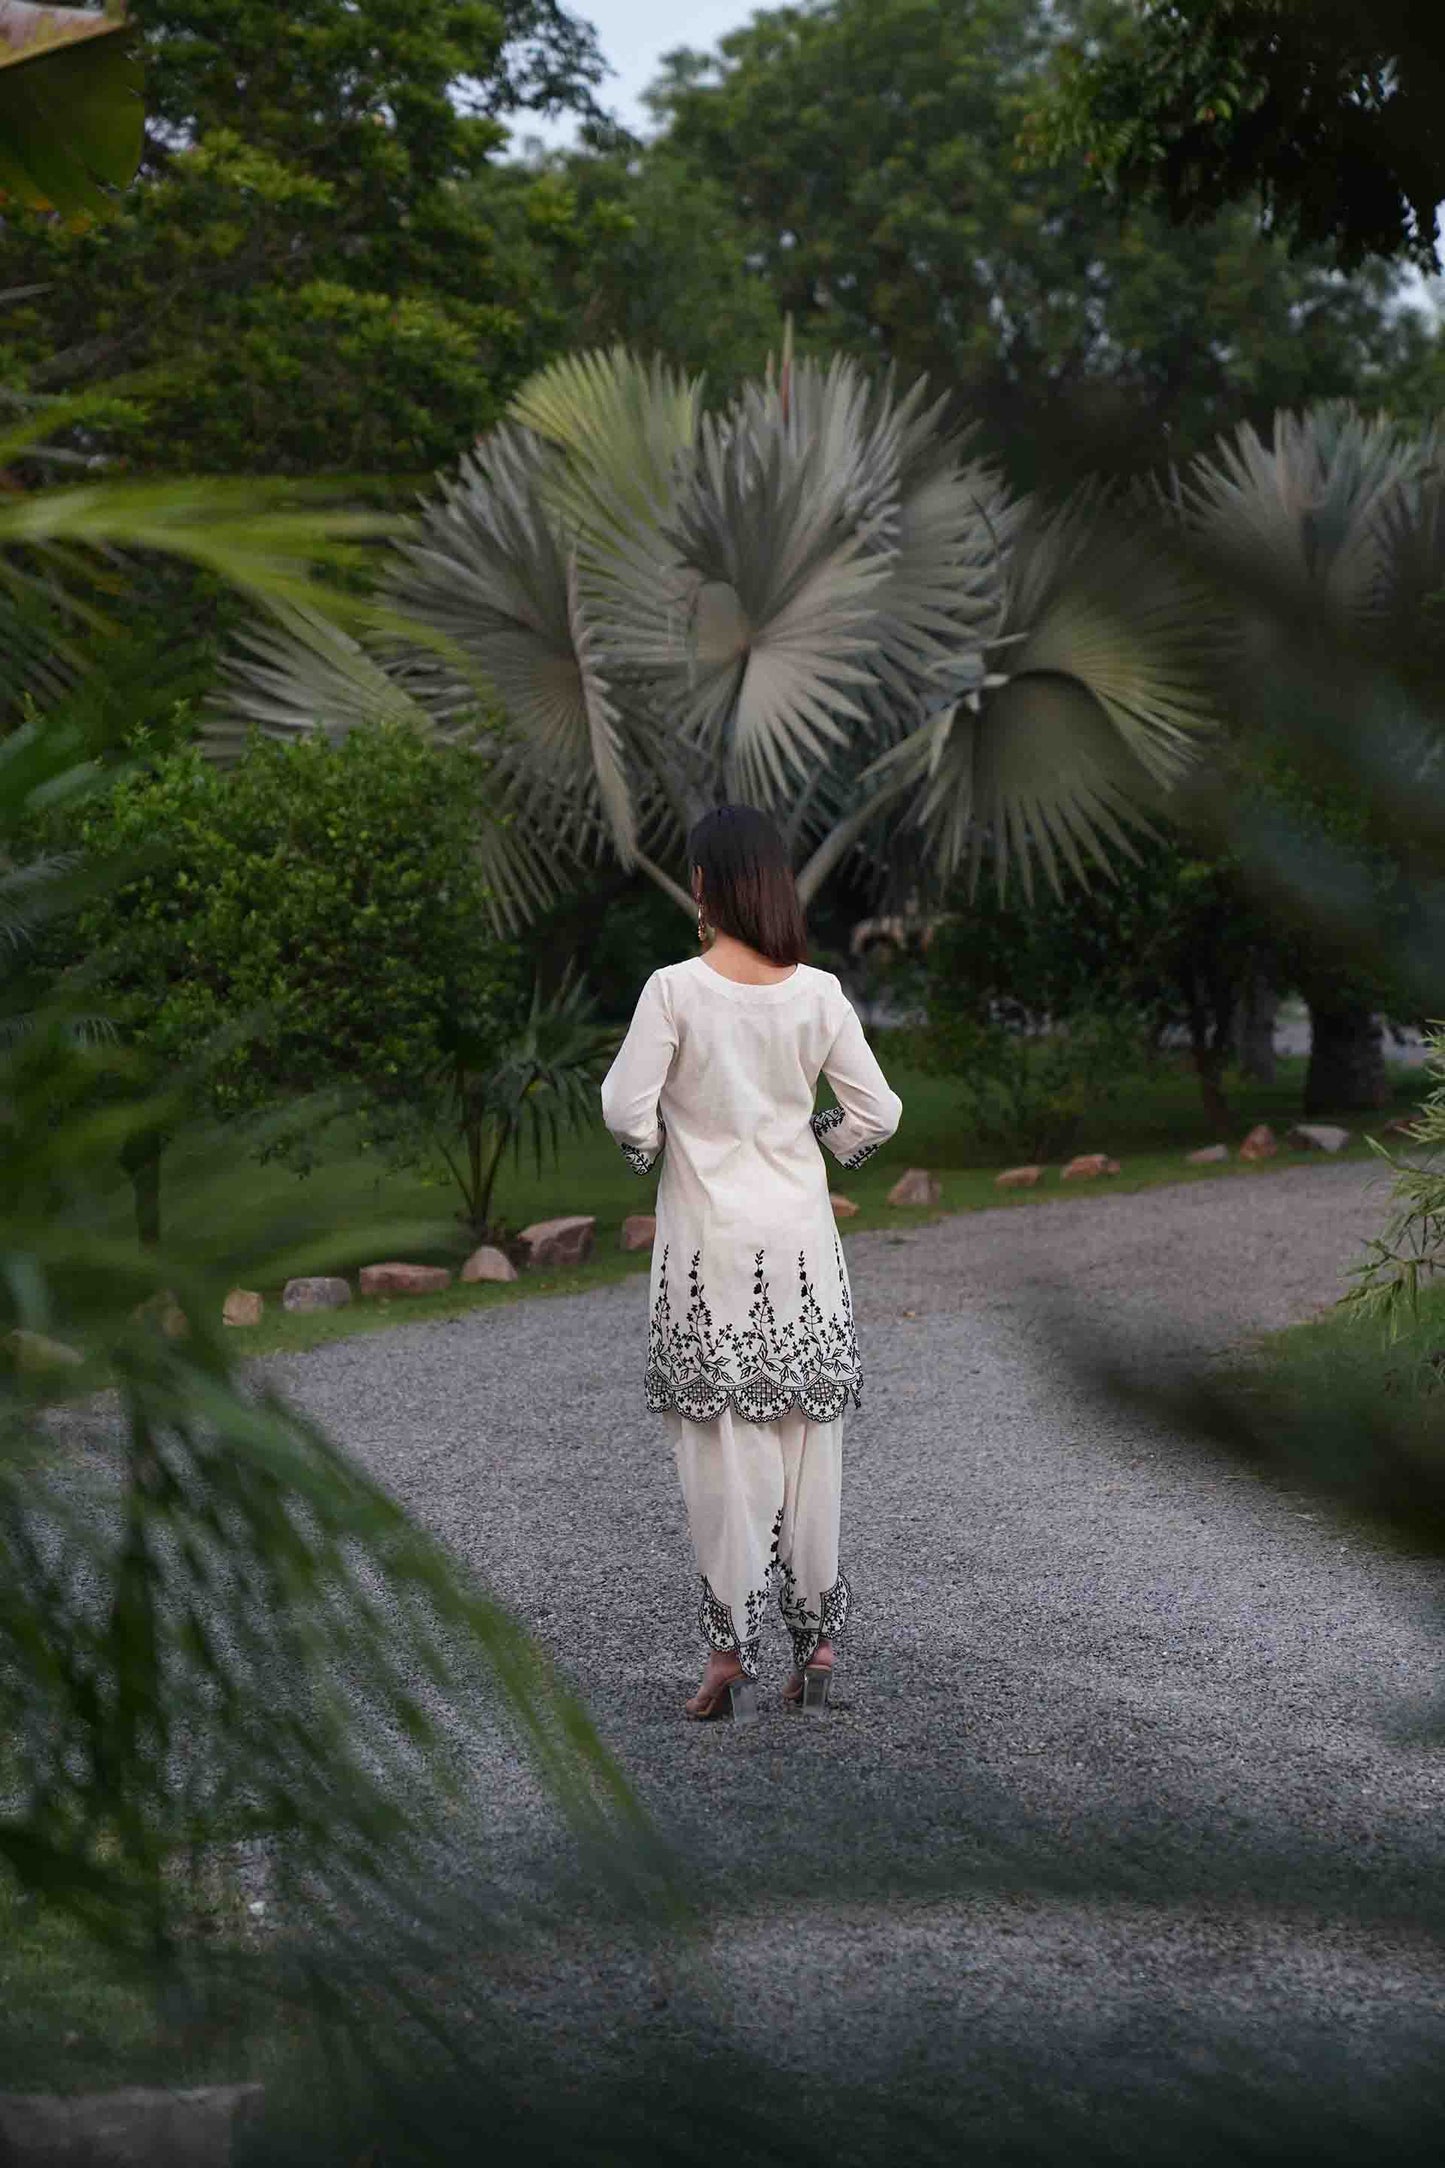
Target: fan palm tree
x=817 y=600
x=1311 y=516
x=1411 y=623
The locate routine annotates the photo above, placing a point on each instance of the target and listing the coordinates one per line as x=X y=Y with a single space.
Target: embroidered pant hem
x=762 y=1504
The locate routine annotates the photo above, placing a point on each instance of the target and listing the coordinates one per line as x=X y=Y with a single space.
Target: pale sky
x=634 y=35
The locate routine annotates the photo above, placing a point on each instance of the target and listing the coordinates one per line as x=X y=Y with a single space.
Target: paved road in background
x=1158 y=1750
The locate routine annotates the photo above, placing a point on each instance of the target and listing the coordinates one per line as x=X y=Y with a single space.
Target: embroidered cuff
x=828 y=1118
x=856 y=1159
x=639 y=1161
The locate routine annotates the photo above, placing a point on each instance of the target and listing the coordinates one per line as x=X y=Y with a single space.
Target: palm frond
x=1094 y=702
x=302 y=676
x=1111 y=607
x=256 y=536
x=487 y=568
x=1410 y=525
x=1306 y=509
x=299 y=676
x=752 y=616
x=31 y=893
x=623 y=425
x=946 y=592
x=37 y=662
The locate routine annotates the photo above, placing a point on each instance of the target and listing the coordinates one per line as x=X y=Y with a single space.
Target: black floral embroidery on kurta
x=760 y=1369
x=828 y=1118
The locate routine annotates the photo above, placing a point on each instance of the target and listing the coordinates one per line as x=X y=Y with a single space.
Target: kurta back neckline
x=739 y=990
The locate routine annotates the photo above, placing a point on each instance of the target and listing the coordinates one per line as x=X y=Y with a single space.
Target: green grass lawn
x=74 y=2018
x=353 y=1209
x=1349 y=1415
x=1400 y=1370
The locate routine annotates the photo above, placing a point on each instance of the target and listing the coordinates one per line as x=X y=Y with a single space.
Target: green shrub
x=313 y=920
x=1027 y=1092
x=1172 y=942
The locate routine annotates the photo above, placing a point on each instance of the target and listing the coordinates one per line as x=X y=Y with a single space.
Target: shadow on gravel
x=1193 y=1987
x=1012 y=1983
x=1015 y=2001
x=689 y=2097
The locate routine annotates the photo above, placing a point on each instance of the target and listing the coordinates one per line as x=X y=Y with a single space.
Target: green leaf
x=71 y=122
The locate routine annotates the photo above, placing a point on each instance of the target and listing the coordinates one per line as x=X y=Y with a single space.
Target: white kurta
x=750 y=1304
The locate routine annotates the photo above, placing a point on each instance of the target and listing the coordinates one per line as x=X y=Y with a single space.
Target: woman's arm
x=631 y=1086
x=868 y=1109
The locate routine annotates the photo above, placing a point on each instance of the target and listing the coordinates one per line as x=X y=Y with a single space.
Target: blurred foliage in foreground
x=1341 y=677
x=1333 y=1407
x=227 y=1658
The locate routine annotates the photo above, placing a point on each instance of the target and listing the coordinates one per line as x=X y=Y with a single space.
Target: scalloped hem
x=705 y=1406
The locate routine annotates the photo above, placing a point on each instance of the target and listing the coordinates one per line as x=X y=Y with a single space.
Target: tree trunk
x=487 y=1181
x=141 y=1158
x=1347 y=1062
x=1211 y=1010
x=1209 y=1066
x=1254 y=1030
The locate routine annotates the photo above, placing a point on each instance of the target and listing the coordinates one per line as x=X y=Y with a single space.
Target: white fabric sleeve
x=631 y=1086
x=868 y=1109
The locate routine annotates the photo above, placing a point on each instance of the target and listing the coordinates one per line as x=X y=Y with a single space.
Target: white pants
x=762 y=1499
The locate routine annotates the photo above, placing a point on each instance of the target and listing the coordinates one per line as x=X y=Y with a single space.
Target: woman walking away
x=751 y=1352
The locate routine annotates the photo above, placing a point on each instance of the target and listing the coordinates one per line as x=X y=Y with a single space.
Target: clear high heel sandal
x=736 y=1697
x=811 y=1691
x=817 y=1686
x=743 y=1695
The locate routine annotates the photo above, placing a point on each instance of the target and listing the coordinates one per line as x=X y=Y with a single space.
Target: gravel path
x=1155 y=1748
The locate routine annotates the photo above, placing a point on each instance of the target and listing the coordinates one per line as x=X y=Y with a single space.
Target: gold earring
x=704 y=931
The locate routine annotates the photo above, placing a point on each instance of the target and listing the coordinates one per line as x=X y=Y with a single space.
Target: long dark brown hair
x=747 y=883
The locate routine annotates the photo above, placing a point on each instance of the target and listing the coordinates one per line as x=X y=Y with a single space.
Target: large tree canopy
x=1330 y=114
x=383 y=103
x=322 y=267
x=668 y=267
x=871 y=149
x=423 y=65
